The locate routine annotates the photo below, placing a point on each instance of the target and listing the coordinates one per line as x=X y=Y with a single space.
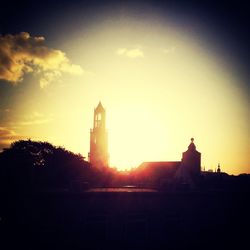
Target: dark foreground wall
x=130 y=220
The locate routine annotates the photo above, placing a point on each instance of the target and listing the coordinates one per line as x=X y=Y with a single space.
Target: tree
x=30 y=165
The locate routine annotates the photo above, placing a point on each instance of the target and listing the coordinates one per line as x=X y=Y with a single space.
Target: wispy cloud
x=22 y=53
x=131 y=53
x=35 y=118
x=169 y=50
x=34 y=122
x=5 y=110
x=7 y=136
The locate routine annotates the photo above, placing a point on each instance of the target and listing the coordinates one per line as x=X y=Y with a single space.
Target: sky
x=165 y=72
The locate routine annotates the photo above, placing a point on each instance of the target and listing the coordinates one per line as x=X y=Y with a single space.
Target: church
x=98 y=155
x=186 y=171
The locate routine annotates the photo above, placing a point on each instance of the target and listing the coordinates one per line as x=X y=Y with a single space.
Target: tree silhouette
x=30 y=165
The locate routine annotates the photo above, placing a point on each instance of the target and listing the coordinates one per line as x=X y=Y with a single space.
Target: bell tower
x=191 y=159
x=190 y=167
x=98 y=155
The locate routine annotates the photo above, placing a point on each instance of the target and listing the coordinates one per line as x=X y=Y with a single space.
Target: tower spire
x=218 y=168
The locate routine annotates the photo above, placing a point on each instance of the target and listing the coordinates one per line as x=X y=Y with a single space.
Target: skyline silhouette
x=63 y=201
x=165 y=71
x=124 y=125
x=60 y=201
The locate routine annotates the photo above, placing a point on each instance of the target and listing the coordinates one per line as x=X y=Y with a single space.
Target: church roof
x=162 y=169
x=191 y=148
x=192 y=145
x=163 y=165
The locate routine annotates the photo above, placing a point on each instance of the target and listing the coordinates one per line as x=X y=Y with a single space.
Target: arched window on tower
x=98 y=120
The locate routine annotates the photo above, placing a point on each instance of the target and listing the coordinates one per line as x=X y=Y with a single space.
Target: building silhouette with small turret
x=186 y=171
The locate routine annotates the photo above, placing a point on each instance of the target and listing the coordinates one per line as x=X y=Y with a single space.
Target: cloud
x=22 y=53
x=131 y=53
x=7 y=136
x=35 y=122
x=5 y=110
x=35 y=118
x=169 y=50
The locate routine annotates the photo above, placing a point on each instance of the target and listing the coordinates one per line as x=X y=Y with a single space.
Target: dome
x=191 y=145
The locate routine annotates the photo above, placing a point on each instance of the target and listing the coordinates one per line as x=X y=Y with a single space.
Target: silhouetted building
x=191 y=159
x=157 y=172
x=98 y=155
x=190 y=167
x=218 y=168
x=187 y=171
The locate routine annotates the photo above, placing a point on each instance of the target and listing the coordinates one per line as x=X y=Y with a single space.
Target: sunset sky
x=163 y=72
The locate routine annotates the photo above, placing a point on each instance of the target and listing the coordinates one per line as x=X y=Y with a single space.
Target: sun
x=159 y=86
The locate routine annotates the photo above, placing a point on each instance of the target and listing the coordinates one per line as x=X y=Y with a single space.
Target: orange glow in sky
x=159 y=86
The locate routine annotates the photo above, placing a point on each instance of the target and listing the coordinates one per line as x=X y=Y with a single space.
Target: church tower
x=190 y=167
x=98 y=155
x=191 y=159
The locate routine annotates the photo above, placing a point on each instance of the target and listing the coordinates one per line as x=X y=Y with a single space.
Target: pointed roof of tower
x=218 y=168
x=99 y=107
